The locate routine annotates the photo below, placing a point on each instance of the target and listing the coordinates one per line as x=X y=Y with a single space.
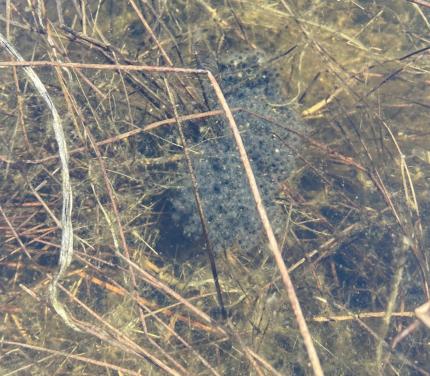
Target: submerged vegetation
x=331 y=99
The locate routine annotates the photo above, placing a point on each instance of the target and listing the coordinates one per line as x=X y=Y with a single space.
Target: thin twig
x=197 y=198
x=273 y=244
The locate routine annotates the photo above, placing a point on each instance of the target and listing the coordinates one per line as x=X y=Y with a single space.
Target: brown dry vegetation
x=356 y=236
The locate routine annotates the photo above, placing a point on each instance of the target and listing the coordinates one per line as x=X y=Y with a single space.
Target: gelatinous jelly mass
x=222 y=183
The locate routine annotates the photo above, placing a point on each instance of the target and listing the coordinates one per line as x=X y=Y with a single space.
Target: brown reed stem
x=273 y=244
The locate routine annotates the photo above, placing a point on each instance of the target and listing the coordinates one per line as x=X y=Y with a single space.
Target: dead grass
x=342 y=283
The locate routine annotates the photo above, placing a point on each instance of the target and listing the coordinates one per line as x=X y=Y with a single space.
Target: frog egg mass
x=222 y=184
